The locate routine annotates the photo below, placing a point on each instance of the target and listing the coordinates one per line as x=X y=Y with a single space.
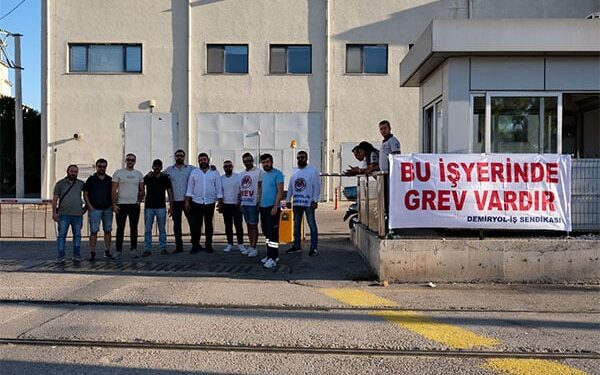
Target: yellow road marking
x=452 y=336
x=531 y=367
x=358 y=298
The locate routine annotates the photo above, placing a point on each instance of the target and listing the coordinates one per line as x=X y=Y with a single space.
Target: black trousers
x=133 y=212
x=200 y=213
x=232 y=215
x=176 y=215
x=270 y=228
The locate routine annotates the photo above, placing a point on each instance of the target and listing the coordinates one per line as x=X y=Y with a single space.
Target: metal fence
x=585 y=198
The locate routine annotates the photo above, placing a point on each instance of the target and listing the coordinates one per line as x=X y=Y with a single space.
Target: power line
x=12 y=10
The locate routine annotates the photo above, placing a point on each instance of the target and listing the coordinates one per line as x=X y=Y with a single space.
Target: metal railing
x=585 y=198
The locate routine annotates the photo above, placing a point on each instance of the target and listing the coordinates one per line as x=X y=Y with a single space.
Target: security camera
x=78 y=136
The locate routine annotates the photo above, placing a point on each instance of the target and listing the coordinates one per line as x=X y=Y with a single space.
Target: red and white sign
x=495 y=191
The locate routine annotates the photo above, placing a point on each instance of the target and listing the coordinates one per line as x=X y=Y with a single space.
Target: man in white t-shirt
x=249 y=192
x=304 y=191
x=231 y=207
x=389 y=146
x=127 y=194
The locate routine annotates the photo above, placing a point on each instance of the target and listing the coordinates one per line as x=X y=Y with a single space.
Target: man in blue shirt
x=271 y=193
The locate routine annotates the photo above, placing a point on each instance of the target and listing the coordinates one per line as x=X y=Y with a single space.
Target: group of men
x=253 y=195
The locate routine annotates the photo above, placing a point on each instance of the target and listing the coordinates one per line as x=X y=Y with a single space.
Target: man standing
x=389 y=146
x=231 y=207
x=271 y=193
x=67 y=210
x=203 y=190
x=98 y=199
x=304 y=191
x=157 y=184
x=179 y=174
x=249 y=193
x=127 y=194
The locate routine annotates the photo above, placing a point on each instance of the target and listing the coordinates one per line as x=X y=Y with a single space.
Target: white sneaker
x=271 y=263
x=134 y=253
x=252 y=252
x=264 y=260
x=242 y=248
x=228 y=248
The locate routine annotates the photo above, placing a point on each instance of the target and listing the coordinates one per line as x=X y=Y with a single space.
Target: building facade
x=226 y=77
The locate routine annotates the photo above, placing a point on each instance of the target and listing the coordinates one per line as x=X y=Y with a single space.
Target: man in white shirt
x=389 y=146
x=203 y=191
x=231 y=207
x=127 y=194
x=249 y=193
x=304 y=191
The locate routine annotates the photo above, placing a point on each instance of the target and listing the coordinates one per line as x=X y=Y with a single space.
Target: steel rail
x=209 y=306
x=313 y=350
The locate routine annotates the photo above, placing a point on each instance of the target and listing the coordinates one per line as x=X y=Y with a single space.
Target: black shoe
x=209 y=249
x=92 y=257
x=293 y=250
x=195 y=249
x=146 y=253
x=178 y=250
x=108 y=255
x=313 y=252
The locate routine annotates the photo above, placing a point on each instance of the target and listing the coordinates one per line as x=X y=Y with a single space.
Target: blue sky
x=26 y=20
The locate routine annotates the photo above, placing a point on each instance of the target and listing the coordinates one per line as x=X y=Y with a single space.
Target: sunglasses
x=179 y=156
x=101 y=166
x=301 y=157
x=129 y=159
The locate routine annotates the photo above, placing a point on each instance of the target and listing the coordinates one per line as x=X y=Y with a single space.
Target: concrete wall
x=466 y=260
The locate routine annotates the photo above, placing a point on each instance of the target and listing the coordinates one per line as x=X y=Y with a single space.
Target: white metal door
x=150 y=136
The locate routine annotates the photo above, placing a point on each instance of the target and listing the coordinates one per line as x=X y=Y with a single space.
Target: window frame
x=488 y=116
x=88 y=63
x=224 y=55
x=287 y=71
x=362 y=58
x=435 y=132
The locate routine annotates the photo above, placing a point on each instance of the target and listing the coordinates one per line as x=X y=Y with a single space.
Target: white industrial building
x=151 y=76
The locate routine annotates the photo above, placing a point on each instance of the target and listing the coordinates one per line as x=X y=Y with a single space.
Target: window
x=478 y=135
x=290 y=59
x=105 y=58
x=434 y=140
x=524 y=124
x=231 y=59
x=366 y=58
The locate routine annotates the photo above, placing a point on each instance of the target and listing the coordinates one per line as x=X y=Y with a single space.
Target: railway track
x=206 y=306
x=319 y=350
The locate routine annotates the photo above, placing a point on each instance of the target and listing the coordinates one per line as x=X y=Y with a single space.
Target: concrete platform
x=470 y=260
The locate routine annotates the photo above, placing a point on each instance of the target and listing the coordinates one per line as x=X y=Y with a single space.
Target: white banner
x=495 y=191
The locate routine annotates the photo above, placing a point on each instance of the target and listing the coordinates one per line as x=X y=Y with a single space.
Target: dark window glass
x=375 y=59
x=299 y=59
x=215 y=59
x=236 y=59
x=133 y=58
x=78 y=60
x=367 y=58
x=106 y=58
x=278 y=63
x=353 y=59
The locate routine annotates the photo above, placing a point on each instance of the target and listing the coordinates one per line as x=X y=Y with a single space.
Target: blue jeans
x=64 y=221
x=161 y=219
x=312 y=224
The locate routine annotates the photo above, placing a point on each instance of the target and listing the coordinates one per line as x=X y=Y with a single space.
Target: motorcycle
x=350 y=192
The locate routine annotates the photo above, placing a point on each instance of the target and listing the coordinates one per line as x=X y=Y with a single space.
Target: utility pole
x=16 y=65
x=19 y=160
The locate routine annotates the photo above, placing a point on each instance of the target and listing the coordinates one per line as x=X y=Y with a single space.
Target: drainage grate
x=138 y=267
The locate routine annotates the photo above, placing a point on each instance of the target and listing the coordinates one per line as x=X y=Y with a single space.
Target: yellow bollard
x=286 y=226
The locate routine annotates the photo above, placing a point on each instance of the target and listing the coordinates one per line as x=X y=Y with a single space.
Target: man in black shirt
x=98 y=199
x=156 y=184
